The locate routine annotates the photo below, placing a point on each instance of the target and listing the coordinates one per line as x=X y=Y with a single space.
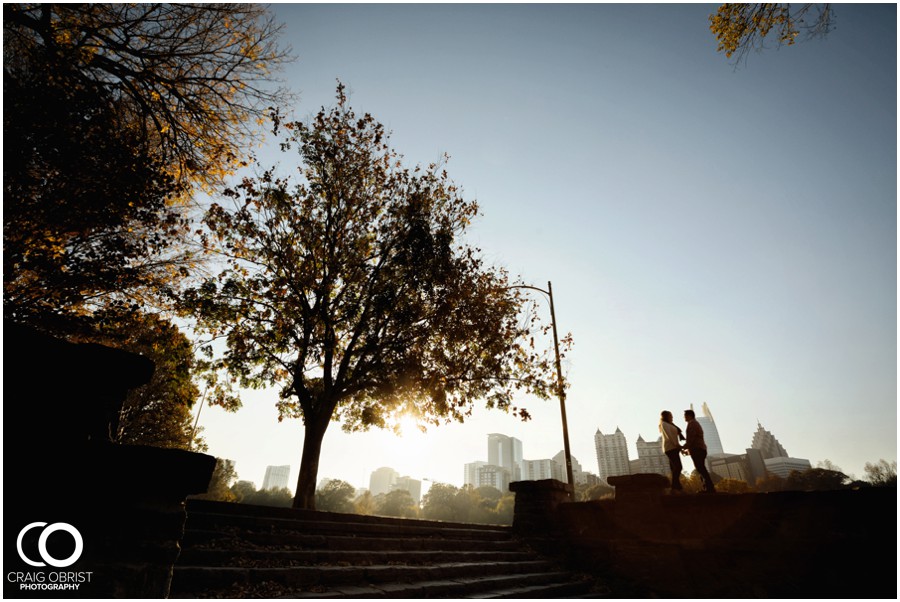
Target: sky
x=713 y=233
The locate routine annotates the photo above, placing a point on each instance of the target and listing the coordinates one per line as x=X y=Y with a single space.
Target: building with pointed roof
x=612 y=454
x=766 y=443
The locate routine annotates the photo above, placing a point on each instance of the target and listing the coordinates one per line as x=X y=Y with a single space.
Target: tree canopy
x=881 y=473
x=740 y=28
x=159 y=412
x=186 y=80
x=353 y=292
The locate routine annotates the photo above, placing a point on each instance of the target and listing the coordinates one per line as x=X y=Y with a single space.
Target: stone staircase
x=243 y=551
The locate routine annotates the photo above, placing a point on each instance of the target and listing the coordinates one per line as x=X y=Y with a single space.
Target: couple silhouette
x=694 y=445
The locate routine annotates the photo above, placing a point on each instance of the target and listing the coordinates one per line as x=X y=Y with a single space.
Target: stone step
x=239 y=551
x=539 y=585
x=196 y=506
x=243 y=557
x=226 y=538
x=203 y=578
x=263 y=524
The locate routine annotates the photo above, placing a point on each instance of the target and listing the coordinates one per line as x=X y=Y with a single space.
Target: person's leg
x=675 y=466
x=699 y=458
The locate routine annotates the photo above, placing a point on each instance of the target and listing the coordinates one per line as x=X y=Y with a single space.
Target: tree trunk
x=314 y=432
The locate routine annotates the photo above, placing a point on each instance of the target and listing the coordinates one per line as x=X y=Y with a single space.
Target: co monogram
x=42 y=544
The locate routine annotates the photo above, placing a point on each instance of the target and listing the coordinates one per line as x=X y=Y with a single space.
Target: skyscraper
x=411 y=485
x=276 y=477
x=538 y=470
x=382 y=480
x=710 y=432
x=766 y=442
x=577 y=472
x=471 y=473
x=612 y=454
x=651 y=456
x=506 y=452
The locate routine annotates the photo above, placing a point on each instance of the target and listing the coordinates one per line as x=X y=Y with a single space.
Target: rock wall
x=830 y=544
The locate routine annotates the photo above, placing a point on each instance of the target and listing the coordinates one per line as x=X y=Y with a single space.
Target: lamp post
x=559 y=381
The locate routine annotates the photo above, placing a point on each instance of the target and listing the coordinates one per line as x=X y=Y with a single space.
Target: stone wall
x=125 y=502
x=832 y=544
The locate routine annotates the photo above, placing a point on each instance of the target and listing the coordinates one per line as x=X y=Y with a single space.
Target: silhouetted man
x=671 y=447
x=696 y=446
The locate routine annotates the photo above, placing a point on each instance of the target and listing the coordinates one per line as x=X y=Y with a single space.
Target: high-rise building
x=276 y=477
x=382 y=480
x=612 y=454
x=577 y=472
x=506 y=452
x=413 y=486
x=710 y=432
x=766 y=443
x=471 y=473
x=538 y=470
x=748 y=467
x=490 y=475
x=651 y=457
x=783 y=467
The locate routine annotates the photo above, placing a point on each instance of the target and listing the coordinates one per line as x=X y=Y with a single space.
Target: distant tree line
x=825 y=477
x=488 y=505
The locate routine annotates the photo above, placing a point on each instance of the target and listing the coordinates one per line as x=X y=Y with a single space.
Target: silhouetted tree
x=159 y=412
x=771 y=482
x=220 y=484
x=596 y=492
x=353 y=292
x=505 y=508
x=740 y=28
x=364 y=504
x=882 y=473
x=278 y=497
x=86 y=216
x=398 y=503
x=439 y=503
x=186 y=79
x=336 y=496
x=815 y=479
x=733 y=486
x=242 y=491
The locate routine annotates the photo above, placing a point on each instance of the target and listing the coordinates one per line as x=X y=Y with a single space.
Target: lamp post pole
x=560 y=389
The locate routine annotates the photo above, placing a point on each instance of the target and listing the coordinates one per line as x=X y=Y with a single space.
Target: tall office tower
x=506 y=452
x=413 y=486
x=382 y=480
x=490 y=475
x=766 y=442
x=471 y=473
x=651 y=457
x=538 y=470
x=276 y=477
x=710 y=432
x=577 y=472
x=612 y=454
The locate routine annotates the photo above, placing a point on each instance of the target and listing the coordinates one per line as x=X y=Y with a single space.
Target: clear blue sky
x=712 y=234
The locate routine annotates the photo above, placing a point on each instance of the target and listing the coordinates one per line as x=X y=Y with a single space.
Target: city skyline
x=767 y=440
x=712 y=233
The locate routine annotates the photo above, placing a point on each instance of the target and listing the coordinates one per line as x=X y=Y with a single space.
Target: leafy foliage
x=184 y=79
x=219 y=488
x=881 y=473
x=485 y=505
x=159 y=412
x=86 y=220
x=351 y=292
x=397 y=503
x=740 y=28
x=336 y=496
x=246 y=493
